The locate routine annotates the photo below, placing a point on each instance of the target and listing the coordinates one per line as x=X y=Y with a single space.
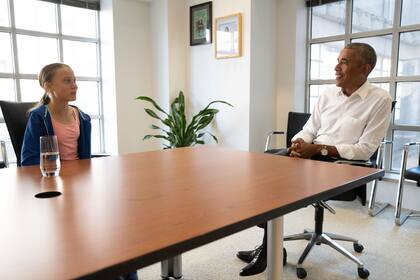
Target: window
x=392 y=27
x=34 y=33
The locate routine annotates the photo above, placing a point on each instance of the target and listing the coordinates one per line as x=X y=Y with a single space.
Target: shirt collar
x=362 y=91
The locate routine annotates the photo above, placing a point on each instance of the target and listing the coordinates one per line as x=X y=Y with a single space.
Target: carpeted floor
x=391 y=252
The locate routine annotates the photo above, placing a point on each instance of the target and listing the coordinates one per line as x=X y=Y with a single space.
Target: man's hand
x=293 y=150
x=304 y=150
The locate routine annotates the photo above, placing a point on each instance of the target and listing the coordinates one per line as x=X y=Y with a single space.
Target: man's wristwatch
x=324 y=151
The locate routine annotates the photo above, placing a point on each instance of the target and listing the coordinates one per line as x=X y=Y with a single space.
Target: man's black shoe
x=248 y=256
x=257 y=265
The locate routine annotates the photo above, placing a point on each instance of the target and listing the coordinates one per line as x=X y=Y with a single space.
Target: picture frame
x=201 y=24
x=228 y=36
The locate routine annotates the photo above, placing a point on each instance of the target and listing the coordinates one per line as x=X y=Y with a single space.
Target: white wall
x=153 y=57
x=291 y=60
x=160 y=54
x=132 y=65
x=263 y=69
x=225 y=79
x=178 y=13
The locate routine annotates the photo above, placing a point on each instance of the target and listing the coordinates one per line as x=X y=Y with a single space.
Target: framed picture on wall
x=201 y=24
x=228 y=36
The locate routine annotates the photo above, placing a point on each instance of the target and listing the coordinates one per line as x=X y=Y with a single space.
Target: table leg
x=275 y=249
x=172 y=268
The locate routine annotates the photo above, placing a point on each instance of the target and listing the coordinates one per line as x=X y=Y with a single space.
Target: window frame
x=392 y=80
x=60 y=37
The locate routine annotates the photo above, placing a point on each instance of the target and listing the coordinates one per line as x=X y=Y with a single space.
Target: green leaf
x=178 y=116
x=217 y=101
x=203 y=133
x=148 y=99
x=148 y=136
x=205 y=121
x=151 y=113
x=168 y=122
x=152 y=126
x=157 y=136
x=214 y=137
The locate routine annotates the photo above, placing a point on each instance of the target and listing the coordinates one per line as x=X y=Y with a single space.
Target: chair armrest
x=366 y=163
x=412 y=144
x=268 y=140
x=5 y=162
x=380 y=153
x=386 y=142
x=406 y=147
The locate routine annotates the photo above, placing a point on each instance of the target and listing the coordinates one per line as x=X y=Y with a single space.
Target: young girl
x=54 y=116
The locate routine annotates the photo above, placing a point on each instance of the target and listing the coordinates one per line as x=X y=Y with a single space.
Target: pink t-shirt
x=67 y=136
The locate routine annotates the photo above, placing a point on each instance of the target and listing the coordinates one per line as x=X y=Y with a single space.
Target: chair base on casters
x=319 y=237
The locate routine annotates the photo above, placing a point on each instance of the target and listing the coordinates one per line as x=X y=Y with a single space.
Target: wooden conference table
x=121 y=213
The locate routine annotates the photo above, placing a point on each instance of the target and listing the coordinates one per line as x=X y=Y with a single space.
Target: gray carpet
x=391 y=252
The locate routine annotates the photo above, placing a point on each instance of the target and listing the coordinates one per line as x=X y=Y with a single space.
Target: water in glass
x=49 y=156
x=50 y=164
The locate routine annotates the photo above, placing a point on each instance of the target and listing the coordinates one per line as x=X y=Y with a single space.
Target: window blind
x=87 y=4
x=314 y=3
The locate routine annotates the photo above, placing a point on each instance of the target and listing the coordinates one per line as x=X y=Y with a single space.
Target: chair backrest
x=374 y=157
x=393 y=105
x=16 y=116
x=295 y=122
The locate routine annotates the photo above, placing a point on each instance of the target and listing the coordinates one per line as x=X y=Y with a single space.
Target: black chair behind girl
x=16 y=116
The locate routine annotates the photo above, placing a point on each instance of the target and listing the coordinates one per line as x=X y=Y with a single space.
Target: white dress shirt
x=355 y=125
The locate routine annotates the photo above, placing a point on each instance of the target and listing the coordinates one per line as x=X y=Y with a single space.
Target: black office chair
x=295 y=122
x=412 y=173
x=318 y=236
x=16 y=116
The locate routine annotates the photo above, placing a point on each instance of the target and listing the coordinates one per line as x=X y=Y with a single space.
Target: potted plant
x=177 y=132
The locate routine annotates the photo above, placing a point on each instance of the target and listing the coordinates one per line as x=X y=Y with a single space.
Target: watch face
x=324 y=151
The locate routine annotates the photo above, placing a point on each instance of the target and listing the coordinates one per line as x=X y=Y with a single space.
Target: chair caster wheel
x=358 y=247
x=363 y=273
x=301 y=273
x=284 y=256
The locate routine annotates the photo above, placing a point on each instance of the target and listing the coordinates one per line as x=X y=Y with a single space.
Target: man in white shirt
x=349 y=121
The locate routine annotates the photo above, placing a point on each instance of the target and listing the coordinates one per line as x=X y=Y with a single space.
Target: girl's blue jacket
x=39 y=124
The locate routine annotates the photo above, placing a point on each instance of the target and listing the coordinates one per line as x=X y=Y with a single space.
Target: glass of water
x=49 y=156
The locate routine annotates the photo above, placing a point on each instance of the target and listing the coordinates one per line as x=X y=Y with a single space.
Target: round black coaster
x=47 y=194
